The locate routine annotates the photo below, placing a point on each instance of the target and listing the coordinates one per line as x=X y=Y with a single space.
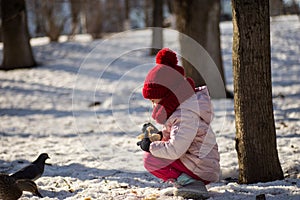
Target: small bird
x=12 y=189
x=34 y=170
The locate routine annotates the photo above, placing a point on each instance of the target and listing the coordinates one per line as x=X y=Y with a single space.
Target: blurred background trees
x=53 y=18
x=78 y=14
x=199 y=19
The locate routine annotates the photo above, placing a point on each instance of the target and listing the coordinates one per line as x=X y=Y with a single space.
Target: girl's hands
x=144 y=144
x=150 y=134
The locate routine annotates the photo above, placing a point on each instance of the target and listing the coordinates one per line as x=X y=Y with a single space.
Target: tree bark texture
x=255 y=129
x=199 y=19
x=17 y=52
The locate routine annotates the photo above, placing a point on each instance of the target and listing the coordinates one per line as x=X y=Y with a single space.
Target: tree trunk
x=75 y=13
x=147 y=12
x=127 y=16
x=55 y=20
x=39 y=30
x=199 y=19
x=113 y=16
x=255 y=129
x=94 y=18
x=17 y=52
x=157 y=31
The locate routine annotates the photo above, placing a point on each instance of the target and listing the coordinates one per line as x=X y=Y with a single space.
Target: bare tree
x=51 y=12
x=94 y=18
x=34 y=8
x=17 y=52
x=147 y=12
x=157 y=31
x=255 y=129
x=127 y=16
x=76 y=6
x=114 y=16
x=199 y=19
x=127 y=9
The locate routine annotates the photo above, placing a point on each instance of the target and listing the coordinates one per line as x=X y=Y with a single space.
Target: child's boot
x=190 y=188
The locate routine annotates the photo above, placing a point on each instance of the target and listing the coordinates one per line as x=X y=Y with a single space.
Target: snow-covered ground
x=83 y=107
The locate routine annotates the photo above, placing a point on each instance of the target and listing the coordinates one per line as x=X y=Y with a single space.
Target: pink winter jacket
x=187 y=136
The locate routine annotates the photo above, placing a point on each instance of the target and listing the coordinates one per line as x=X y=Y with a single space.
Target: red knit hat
x=167 y=81
x=164 y=76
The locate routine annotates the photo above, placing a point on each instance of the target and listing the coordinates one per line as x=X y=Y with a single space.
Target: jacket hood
x=200 y=104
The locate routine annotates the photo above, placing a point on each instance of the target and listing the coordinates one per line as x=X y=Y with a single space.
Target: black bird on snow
x=12 y=189
x=34 y=170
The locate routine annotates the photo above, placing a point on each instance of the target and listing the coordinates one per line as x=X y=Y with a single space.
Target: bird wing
x=31 y=172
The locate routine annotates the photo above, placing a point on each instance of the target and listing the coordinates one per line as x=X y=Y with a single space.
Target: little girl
x=187 y=155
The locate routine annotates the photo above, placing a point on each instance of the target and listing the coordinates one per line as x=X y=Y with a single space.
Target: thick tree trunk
x=17 y=52
x=255 y=129
x=157 y=31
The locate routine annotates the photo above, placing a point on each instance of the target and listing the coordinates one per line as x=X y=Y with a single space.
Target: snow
x=92 y=149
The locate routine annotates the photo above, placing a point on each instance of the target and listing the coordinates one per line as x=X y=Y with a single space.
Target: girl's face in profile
x=155 y=102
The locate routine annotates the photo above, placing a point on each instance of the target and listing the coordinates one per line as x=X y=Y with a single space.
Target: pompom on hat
x=167 y=57
x=167 y=81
